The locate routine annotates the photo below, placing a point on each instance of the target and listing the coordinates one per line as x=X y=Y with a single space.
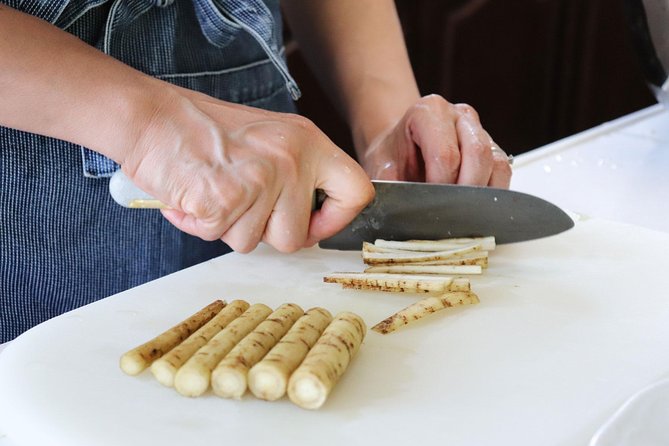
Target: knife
x=406 y=210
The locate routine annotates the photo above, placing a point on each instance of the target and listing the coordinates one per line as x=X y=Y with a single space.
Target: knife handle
x=125 y=193
x=128 y=195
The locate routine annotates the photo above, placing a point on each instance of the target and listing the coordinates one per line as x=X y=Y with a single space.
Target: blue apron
x=63 y=241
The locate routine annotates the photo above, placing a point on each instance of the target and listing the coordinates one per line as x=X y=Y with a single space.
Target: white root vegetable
x=371 y=258
x=487 y=244
x=401 y=283
x=229 y=378
x=425 y=269
x=194 y=376
x=139 y=358
x=423 y=308
x=164 y=369
x=473 y=258
x=312 y=382
x=268 y=379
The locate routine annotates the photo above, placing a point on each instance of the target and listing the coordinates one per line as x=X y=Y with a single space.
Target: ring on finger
x=494 y=148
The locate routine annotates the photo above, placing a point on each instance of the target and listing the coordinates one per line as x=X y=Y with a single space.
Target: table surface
x=614 y=171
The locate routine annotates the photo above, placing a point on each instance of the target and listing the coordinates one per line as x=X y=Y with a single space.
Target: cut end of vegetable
x=229 y=383
x=164 y=372
x=266 y=384
x=307 y=391
x=192 y=382
x=132 y=363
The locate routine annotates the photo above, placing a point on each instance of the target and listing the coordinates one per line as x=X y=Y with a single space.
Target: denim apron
x=63 y=241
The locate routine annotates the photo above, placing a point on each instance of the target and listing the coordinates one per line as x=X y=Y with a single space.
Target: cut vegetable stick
x=165 y=368
x=229 y=378
x=139 y=358
x=424 y=307
x=457 y=259
x=480 y=261
x=268 y=379
x=460 y=284
x=408 y=257
x=407 y=283
x=411 y=268
x=370 y=247
x=312 y=382
x=487 y=244
x=193 y=377
x=474 y=258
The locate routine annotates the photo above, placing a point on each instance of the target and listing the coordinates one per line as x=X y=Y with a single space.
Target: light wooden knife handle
x=128 y=195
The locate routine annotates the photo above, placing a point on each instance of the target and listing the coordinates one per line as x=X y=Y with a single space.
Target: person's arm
x=226 y=171
x=357 y=50
x=55 y=85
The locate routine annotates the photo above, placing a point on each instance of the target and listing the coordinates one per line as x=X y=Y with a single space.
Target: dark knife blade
x=405 y=210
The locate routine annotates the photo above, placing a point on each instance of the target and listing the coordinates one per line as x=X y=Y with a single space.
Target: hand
x=244 y=175
x=438 y=142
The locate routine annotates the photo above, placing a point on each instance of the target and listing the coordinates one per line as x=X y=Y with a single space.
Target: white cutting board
x=567 y=328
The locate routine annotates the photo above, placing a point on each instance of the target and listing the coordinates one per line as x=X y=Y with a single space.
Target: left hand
x=438 y=142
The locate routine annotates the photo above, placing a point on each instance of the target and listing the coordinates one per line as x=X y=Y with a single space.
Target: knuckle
x=365 y=195
x=480 y=150
x=448 y=156
x=240 y=244
x=502 y=167
x=467 y=109
x=433 y=100
x=287 y=246
x=209 y=231
x=302 y=122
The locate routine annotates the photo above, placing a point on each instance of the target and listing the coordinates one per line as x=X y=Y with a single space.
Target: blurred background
x=536 y=70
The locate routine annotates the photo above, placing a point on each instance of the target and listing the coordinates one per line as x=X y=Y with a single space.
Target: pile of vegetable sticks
x=420 y=266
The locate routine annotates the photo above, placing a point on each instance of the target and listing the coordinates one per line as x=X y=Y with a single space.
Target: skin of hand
x=357 y=50
x=227 y=171
x=244 y=175
x=438 y=142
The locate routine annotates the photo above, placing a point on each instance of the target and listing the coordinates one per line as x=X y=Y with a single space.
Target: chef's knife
x=406 y=210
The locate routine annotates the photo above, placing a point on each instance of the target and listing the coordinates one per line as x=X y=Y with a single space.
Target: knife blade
x=405 y=210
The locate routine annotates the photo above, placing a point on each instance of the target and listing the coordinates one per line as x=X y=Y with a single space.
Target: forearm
x=56 y=85
x=357 y=50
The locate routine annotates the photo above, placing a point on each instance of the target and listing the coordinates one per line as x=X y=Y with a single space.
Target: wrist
x=130 y=109
x=378 y=112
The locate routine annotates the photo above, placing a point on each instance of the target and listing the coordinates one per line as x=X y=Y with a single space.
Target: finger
x=210 y=213
x=501 y=171
x=288 y=226
x=433 y=131
x=192 y=225
x=247 y=231
x=477 y=161
x=348 y=191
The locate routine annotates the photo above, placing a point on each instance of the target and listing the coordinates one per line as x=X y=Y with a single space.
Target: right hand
x=243 y=175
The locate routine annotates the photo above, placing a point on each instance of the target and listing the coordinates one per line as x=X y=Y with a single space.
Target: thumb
x=348 y=191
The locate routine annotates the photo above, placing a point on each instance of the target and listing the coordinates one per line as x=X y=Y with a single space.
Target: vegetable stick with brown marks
x=268 y=379
x=139 y=358
x=164 y=369
x=487 y=244
x=194 y=376
x=423 y=308
x=413 y=268
x=371 y=258
x=229 y=378
x=409 y=283
x=458 y=259
x=312 y=382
